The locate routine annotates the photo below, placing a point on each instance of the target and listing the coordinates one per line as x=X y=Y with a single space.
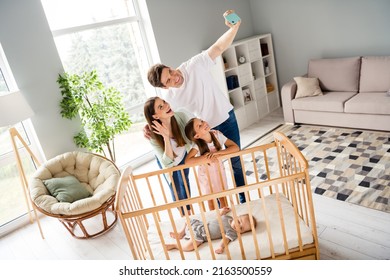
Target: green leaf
x=101 y=110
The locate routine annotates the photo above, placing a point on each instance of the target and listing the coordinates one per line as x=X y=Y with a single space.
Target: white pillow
x=307 y=87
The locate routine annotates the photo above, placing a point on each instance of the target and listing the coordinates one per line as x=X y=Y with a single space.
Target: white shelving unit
x=245 y=82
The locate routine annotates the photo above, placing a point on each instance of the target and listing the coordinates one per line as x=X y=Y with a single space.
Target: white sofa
x=354 y=94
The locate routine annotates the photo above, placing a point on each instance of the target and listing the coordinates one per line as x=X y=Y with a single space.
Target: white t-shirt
x=200 y=93
x=179 y=151
x=182 y=117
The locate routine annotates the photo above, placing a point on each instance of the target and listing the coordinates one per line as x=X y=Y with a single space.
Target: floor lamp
x=14 y=109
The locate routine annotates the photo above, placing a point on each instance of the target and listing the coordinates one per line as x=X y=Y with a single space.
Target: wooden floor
x=346 y=231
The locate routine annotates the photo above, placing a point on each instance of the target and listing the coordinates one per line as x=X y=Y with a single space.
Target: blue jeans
x=179 y=183
x=229 y=128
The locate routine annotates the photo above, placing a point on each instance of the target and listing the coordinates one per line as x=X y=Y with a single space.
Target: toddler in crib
x=229 y=226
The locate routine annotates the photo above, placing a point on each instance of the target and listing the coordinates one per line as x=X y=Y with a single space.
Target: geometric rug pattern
x=346 y=164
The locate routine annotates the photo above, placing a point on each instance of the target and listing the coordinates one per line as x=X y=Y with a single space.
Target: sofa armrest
x=288 y=93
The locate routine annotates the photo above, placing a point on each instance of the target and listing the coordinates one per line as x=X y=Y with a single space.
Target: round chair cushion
x=96 y=173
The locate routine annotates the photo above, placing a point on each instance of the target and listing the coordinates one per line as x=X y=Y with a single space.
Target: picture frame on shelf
x=247 y=95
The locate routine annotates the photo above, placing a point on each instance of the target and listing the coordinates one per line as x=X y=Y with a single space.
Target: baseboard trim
x=263 y=135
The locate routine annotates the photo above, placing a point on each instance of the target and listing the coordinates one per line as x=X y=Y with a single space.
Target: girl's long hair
x=149 y=112
x=203 y=147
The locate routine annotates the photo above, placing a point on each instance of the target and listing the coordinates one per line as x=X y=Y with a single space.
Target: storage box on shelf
x=246 y=73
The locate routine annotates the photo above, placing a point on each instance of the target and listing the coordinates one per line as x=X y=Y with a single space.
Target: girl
x=169 y=141
x=207 y=148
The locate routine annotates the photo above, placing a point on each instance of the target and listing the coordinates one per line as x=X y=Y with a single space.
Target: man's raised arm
x=225 y=40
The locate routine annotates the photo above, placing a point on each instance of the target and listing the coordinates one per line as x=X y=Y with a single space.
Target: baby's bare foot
x=219 y=250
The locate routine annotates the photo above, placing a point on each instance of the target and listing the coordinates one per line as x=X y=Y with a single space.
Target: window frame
x=151 y=51
x=9 y=156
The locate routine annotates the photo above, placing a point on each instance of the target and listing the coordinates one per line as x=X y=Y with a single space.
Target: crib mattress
x=248 y=240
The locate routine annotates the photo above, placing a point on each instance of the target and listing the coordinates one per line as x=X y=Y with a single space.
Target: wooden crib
x=278 y=195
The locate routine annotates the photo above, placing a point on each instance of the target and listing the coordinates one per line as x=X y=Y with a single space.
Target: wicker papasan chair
x=94 y=175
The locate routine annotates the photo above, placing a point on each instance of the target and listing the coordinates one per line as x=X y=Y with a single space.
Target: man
x=192 y=86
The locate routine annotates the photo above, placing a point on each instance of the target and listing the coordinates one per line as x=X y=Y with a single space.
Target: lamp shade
x=14 y=108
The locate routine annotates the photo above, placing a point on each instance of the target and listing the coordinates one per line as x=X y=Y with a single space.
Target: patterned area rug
x=346 y=164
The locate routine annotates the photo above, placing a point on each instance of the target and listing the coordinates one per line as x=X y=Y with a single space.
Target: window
x=107 y=36
x=12 y=200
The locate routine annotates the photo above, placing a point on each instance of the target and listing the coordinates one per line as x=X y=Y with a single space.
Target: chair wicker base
x=72 y=222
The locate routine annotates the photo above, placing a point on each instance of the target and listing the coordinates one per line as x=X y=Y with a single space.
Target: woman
x=169 y=141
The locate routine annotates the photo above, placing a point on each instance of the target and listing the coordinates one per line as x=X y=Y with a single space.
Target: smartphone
x=233 y=18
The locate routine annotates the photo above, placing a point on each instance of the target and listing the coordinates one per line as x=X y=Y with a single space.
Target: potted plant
x=101 y=110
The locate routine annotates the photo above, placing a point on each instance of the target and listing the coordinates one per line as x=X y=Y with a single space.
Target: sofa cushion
x=329 y=102
x=375 y=74
x=369 y=103
x=336 y=74
x=307 y=87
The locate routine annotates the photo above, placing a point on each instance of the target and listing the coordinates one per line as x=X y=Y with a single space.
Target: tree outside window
x=107 y=37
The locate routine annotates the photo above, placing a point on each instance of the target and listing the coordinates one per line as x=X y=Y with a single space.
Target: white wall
x=183 y=28
x=305 y=29
x=34 y=61
x=301 y=29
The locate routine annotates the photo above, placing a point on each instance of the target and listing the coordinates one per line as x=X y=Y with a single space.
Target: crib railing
x=278 y=169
